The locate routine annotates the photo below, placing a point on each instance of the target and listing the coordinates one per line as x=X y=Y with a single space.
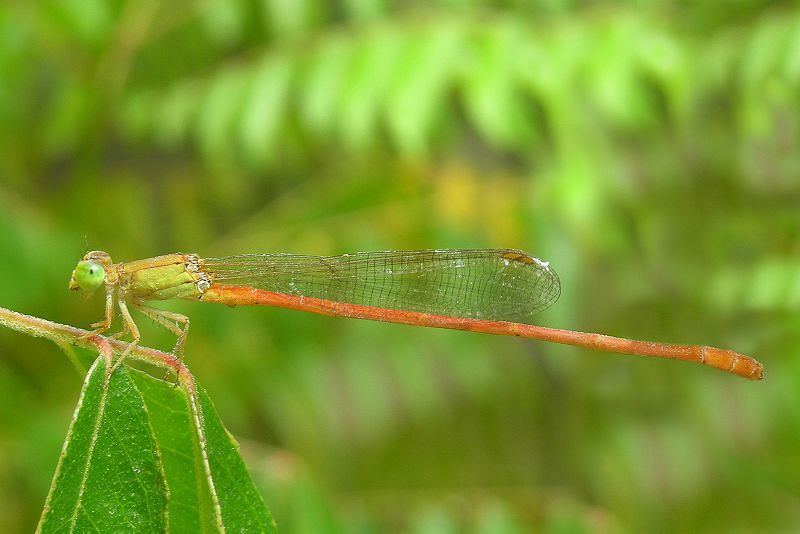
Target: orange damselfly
x=494 y=291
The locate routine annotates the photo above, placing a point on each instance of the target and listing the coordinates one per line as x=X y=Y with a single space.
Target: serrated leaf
x=143 y=455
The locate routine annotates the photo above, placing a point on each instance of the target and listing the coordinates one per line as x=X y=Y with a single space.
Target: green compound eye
x=89 y=275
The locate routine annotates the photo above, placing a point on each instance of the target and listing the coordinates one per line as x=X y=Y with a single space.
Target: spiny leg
x=101 y=326
x=171 y=321
x=131 y=327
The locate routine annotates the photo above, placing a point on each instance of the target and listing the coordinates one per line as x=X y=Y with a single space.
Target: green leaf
x=176 y=111
x=615 y=89
x=144 y=455
x=365 y=9
x=109 y=472
x=264 y=109
x=240 y=503
x=290 y=17
x=87 y=21
x=136 y=116
x=422 y=79
x=217 y=120
x=324 y=78
x=190 y=501
x=373 y=62
x=224 y=21
x=490 y=94
x=662 y=57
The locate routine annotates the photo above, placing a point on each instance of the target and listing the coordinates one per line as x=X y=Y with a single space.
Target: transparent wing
x=492 y=284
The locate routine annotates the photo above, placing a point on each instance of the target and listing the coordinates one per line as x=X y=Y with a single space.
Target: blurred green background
x=648 y=149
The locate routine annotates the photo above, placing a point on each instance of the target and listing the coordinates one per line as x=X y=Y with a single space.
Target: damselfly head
x=90 y=273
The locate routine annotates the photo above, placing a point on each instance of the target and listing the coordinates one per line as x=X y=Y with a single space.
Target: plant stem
x=65 y=335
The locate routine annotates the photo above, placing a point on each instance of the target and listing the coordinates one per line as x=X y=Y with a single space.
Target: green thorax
x=162 y=278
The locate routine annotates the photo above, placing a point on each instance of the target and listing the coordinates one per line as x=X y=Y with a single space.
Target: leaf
x=490 y=95
x=662 y=58
x=762 y=63
x=69 y=108
x=176 y=112
x=224 y=21
x=87 y=21
x=264 y=109
x=241 y=505
x=374 y=60
x=136 y=115
x=216 y=121
x=773 y=284
x=109 y=473
x=290 y=17
x=147 y=456
x=422 y=79
x=615 y=89
x=190 y=501
x=324 y=78
x=365 y=9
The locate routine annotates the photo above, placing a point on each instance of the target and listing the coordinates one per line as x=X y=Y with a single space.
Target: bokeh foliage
x=648 y=149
